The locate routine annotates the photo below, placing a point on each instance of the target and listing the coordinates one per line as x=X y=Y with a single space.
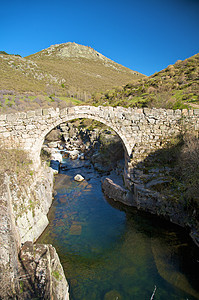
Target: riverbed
x=109 y=251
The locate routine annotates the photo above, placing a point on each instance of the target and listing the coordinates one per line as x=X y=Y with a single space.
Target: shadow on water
x=109 y=251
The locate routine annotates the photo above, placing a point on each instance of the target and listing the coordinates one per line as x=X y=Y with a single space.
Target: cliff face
x=33 y=270
x=31 y=204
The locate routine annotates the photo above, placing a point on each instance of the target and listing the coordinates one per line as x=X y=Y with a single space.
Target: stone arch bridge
x=141 y=130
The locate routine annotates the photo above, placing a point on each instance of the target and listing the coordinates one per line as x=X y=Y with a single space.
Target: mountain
x=63 y=68
x=177 y=86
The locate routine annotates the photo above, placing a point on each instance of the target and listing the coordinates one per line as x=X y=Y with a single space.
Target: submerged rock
x=75 y=229
x=78 y=178
x=112 y=295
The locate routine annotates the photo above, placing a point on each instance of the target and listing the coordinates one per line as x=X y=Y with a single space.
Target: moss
x=57 y=275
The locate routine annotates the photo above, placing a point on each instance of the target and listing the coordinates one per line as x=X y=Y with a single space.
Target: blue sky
x=144 y=35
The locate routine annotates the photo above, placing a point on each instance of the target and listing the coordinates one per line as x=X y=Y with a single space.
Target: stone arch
x=39 y=142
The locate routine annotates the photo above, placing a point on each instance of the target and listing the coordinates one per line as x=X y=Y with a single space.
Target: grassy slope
x=12 y=78
x=64 y=75
x=177 y=86
x=70 y=78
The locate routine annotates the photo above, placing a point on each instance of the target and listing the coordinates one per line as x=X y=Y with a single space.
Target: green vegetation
x=175 y=87
x=52 y=78
x=57 y=275
x=5 y=53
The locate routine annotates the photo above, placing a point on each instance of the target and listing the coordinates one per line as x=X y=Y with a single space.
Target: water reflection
x=108 y=253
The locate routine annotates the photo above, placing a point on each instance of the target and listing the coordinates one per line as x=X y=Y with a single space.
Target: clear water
x=111 y=254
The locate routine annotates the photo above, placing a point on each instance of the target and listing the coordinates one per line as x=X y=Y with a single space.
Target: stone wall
x=141 y=130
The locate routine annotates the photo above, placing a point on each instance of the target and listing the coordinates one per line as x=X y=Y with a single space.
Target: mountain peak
x=70 y=50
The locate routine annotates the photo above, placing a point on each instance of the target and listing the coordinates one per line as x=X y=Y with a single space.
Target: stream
x=109 y=251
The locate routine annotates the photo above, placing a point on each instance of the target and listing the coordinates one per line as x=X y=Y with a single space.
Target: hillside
x=67 y=68
x=177 y=86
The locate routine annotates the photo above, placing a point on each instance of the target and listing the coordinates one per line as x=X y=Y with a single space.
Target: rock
x=78 y=178
x=158 y=184
x=81 y=157
x=65 y=155
x=53 y=135
x=73 y=154
x=63 y=167
x=52 y=145
x=100 y=168
x=60 y=147
x=56 y=156
x=46 y=279
x=164 y=263
x=75 y=229
x=116 y=192
x=113 y=295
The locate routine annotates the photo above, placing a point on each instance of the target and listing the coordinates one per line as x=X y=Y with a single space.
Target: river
x=111 y=252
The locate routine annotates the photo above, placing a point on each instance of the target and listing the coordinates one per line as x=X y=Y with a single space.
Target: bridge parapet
x=141 y=130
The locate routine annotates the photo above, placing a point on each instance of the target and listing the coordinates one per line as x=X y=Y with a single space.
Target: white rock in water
x=56 y=156
x=74 y=154
x=78 y=178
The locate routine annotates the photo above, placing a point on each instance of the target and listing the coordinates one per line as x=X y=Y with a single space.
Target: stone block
x=191 y=112
x=63 y=112
x=45 y=111
x=185 y=112
x=11 y=117
x=2 y=117
x=22 y=115
x=2 y=123
x=196 y=127
x=177 y=112
x=30 y=114
x=30 y=127
x=147 y=111
x=151 y=121
x=2 y=129
x=71 y=111
x=38 y=112
x=196 y=112
x=19 y=127
x=169 y=112
x=6 y=134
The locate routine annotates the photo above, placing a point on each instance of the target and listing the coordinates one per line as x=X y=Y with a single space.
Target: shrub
x=188 y=170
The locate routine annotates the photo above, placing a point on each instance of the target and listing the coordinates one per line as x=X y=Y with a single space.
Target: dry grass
x=14 y=161
x=77 y=77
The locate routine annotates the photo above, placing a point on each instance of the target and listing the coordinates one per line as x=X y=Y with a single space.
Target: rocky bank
x=28 y=270
x=146 y=185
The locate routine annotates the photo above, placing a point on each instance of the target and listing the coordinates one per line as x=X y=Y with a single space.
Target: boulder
x=56 y=156
x=116 y=192
x=41 y=273
x=73 y=154
x=112 y=295
x=78 y=178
